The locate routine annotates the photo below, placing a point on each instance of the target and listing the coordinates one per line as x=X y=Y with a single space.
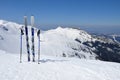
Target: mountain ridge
x=64 y=42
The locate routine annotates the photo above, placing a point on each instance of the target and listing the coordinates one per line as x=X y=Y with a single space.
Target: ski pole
x=21 y=44
x=38 y=34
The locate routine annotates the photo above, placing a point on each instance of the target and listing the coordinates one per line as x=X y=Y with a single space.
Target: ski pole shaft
x=38 y=34
x=20 y=48
x=38 y=49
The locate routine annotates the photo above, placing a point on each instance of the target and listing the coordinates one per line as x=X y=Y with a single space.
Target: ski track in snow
x=56 y=68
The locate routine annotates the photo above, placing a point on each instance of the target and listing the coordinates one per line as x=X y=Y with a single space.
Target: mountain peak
x=67 y=42
x=3 y=21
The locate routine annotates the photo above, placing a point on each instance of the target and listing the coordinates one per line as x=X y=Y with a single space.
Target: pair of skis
x=27 y=40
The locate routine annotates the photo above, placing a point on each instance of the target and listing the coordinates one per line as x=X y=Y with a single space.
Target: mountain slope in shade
x=116 y=38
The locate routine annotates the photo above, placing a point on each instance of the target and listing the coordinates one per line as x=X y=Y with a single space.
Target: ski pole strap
x=38 y=33
x=22 y=33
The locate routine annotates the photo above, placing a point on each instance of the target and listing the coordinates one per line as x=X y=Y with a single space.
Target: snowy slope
x=9 y=33
x=56 y=68
x=62 y=41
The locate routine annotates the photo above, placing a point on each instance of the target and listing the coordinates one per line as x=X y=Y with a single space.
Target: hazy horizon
x=114 y=29
x=100 y=16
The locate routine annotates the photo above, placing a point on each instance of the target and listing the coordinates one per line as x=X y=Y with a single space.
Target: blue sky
x=63 y=12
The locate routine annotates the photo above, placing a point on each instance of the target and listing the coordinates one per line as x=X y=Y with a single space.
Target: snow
x=114 y=38
x=54 y=42
x=56 y=68
x=52 y=66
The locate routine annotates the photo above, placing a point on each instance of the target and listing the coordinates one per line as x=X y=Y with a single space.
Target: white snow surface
x=56 y=68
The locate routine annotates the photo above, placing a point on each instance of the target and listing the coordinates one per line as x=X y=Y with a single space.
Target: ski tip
x=32 y=21
x=25 y=16
x=32 y=15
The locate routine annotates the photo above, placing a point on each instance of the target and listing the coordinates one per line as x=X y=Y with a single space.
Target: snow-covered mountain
x=115 y=37
x=57 y=45
x=65 y=42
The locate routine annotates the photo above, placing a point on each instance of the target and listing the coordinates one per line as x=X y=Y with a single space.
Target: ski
x=38 y=34
x=32 y=31
x=27 y=38
x=22 y=33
